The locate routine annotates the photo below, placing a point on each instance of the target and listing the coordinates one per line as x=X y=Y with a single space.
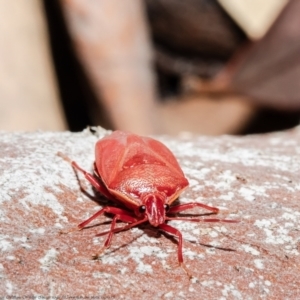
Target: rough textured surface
x=254 y=179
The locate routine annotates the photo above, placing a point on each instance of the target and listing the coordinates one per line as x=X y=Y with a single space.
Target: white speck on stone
x=39 y=230
x=112 y=259
x=268 y=283
x=97 y=241
x=289 y=224
x=10 y=257
x=58 y=225
x=290 y=210
x=213 y=234
x=293 y=252
x=193 y=182
x=1 y=272
x=210 y=250
x=186 y=200
x=196 y=231
x=43 y=198
x=79 y=199
x=48 y=260
x=218 y=283
x=222 y=229
x=194 y=280
x=205 y=231
x=236 y=294
x=3 y=217
x=187 y=230
x=144 y=268
x=5 y=245
x=225 y=180
x=20 y=239
x=138 y=253
x=101 y=275
x=9 y=288
x=252 y=285
x=227 y=197
x=230 y=289
x=247 y=193
x=251 y=234
x=289 y=216
x=191 y=255
x=223 y=208
x=123 y=271
x=250 y=249
x=144 y=239
x=197 y=188
x=207 y=283
x=194 y=174
x=259 y=264
x=75 y=250
x=169 y=295
x=26 y=246
x=275 y=234
x=264 y=223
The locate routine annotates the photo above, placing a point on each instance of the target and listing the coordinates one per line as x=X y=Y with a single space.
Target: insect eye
x=142 y=209
x=167 y=207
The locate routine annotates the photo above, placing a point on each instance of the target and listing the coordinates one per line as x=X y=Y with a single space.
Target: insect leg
x=124 y=215
x=124 y=227
x=186 y=206
x=201 y=220
x=109 y=237
x=183 y=207
x=111 y=232
x=95 y=182
x=169 y=229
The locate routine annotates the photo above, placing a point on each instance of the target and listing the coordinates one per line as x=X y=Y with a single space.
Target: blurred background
x=150 y=66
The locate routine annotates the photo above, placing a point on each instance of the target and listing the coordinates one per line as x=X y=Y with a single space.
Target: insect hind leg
x=173 y=231
x=92 y=179
x=119 y=215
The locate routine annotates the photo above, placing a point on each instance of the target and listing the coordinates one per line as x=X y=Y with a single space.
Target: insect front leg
x=186 y=206
x=119 y=215
x=122 y=214
x=173 y=231
x=169 y=229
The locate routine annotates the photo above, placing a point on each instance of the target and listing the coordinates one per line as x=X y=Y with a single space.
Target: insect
x=142 y=176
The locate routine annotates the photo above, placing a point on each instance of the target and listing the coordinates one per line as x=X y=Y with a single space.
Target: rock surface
x=254 y=179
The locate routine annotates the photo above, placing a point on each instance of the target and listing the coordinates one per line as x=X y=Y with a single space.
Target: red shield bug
x=142 y=176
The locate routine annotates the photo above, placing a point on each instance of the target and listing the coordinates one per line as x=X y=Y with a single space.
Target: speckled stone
x=254 y=179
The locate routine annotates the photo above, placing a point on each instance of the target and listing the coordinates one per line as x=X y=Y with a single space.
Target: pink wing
x=130 y=165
